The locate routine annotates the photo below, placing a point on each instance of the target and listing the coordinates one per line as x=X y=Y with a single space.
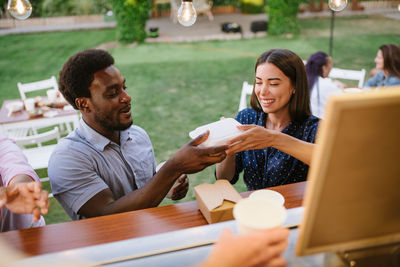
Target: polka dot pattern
x=271 y=167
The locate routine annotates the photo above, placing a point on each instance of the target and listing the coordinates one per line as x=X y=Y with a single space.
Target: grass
x=177 y=87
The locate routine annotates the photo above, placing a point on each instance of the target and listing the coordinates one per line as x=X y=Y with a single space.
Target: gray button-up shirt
x=84 y=163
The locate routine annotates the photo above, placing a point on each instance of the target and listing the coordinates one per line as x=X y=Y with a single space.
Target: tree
x=131 y=16
x=282 y=16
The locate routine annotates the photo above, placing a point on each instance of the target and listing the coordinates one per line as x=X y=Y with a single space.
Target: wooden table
x=77 y=234
x=21 y=119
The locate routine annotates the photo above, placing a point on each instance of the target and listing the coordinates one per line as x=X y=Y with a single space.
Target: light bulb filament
x=19 y=9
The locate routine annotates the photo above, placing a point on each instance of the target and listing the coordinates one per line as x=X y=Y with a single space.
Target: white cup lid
x=270 y=195
x=258 y=213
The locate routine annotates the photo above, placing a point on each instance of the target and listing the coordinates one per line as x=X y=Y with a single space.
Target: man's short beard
x=110 y=126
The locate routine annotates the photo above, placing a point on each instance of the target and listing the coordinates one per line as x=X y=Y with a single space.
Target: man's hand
x=25 y=198
x=180 y=191
x=191 y=158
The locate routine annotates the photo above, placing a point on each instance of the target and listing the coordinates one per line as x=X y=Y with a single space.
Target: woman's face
x=326 y=69
x=379 y=60
x=272 y=88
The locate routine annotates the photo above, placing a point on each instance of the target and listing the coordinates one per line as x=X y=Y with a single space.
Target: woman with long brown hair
x=276 y=145
x=387 y=62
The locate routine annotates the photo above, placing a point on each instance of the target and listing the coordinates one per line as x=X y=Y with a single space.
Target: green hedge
x=226 y=3
x=131 y=16
x=252 y=6
x=282 y=16
x=52 y=8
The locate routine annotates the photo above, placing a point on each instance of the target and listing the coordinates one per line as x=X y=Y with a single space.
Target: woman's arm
x=296 y=148
x=257 y=137
x=373 y=81
x=226 y=168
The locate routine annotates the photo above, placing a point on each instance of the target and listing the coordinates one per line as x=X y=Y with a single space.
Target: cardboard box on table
x=216 y=200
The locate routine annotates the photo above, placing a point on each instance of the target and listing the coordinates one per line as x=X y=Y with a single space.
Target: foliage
x=282 y=16
x=36 y=7
x=3 y=6
x=91 y=6
x=131 y=16
x=52 y=8
x=225 y=3
x=252 y=6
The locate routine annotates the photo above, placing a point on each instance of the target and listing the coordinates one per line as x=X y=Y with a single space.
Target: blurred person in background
x=321 y=87
x=387 y=62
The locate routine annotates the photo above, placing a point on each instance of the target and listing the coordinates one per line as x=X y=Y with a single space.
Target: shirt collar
x=99 y=141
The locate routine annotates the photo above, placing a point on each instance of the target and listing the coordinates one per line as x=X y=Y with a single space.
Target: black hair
x=314 y=67
x=78 y=72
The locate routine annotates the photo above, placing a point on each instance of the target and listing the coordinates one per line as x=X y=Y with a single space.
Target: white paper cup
x=29 y=105
x=255 y=214
x=270 y=195
x=52 y=95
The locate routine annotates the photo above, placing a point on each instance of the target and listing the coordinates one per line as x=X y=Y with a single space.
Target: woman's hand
x=253 y=137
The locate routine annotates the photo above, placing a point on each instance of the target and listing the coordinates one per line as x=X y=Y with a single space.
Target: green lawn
x=177 y=87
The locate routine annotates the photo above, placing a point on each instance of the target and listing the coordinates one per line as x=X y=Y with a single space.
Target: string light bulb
x=186 y=13
x=19 y=9
x=337 y=5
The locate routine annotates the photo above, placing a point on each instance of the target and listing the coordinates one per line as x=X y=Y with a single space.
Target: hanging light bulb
x=337 y=5
x=19 y=9
x=186 y=13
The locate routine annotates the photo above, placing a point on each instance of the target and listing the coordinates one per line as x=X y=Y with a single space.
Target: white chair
x=357 y=75
x=37 y=86
x=247 y=89
x=38 y=156
x=201 y=6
